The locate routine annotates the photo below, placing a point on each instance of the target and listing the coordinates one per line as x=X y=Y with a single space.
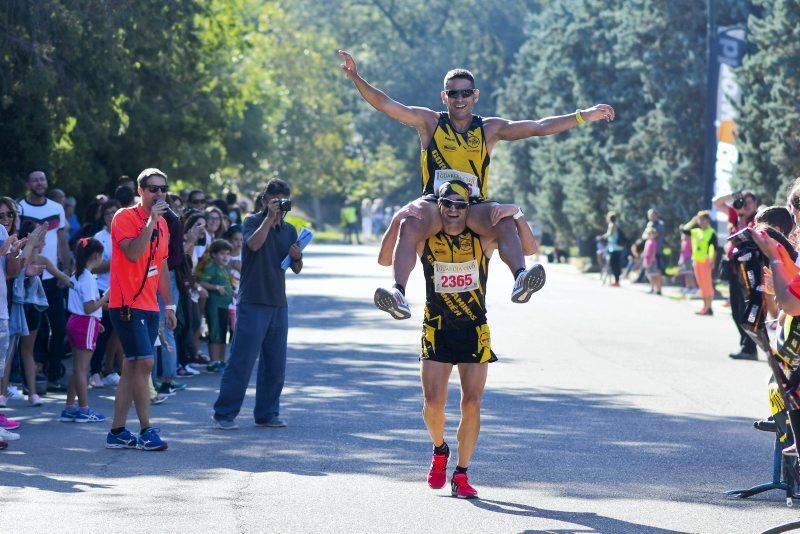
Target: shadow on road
x=593 y=522
x=356 y=408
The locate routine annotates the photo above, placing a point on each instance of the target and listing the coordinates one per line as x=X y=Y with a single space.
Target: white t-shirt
x=104 y=279
x=84 y=290
x=3 y=286
x=52 y=214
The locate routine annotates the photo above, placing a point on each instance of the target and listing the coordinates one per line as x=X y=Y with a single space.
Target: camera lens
x=738 y=203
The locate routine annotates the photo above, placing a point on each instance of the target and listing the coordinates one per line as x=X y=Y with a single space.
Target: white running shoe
x=96 y=381
x=192 y=370
x=392 y=302
x=34 y=400
x=5 y=435
x=111 y=379
x=13 y=391
x=528 y=282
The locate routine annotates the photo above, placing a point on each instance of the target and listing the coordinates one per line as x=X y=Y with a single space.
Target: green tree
x=768 y=140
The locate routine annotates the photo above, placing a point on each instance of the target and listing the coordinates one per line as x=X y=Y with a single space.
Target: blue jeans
x=261 y=332
x=169 y=352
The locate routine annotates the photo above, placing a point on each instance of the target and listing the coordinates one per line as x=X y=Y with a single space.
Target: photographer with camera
x=139 y=239
x=262 y=314
x=740 y=207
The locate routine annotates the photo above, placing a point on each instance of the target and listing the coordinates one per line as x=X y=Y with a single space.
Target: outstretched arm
x=416 y=117
x=498 y=129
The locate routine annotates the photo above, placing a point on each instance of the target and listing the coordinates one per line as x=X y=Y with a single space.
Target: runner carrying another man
x=455 y=261
x=457 y=145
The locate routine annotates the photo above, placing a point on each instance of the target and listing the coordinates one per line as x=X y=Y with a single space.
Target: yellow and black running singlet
x=456 y=156
x=455 y=280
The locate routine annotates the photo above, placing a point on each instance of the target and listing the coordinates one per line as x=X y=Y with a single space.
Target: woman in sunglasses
x=456 y=145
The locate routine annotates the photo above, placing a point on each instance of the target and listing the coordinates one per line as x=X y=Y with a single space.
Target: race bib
x=448 y=175
x=455 y=277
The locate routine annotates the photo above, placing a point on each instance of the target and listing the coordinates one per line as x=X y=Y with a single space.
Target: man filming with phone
x=139 y=240
x=262 y=314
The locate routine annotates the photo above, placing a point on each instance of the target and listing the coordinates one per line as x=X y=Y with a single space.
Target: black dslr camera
x=285 y=204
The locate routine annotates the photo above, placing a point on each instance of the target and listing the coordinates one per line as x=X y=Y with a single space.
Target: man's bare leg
x=411 y=231
x=504 y=232
x=124 y=395
x=473 y=380
x=435 y=377
x=526 y=281
x=141 y=393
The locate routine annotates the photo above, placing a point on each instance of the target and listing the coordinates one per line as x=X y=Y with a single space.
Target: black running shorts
x=468 y=344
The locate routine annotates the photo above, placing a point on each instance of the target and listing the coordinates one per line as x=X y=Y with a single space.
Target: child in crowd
x=704 y=248
x=779 y=219
x=649 y=261
x=212 y=271
x=601 y=255
x=234 y=236
x=35 y=304
x=83 y=327
x=685 y=269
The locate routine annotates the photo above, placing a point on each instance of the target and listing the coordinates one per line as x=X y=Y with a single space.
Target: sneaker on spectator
x=124 y=440
x=8 y=424
x=57 y=387
x=111 y=379
x=34 y=400
x=5 y=435
x=272 y=423
x=459 y=487
x=3 y=401
x=392 y=302
x=96 y=381
x=89 y=416
x=158 y=399
x=149 y=440
x=13 y=391
x=68 y=415
x=166 y=389
x=215 y=367
x=224 y=424
x=191 y=370
x=179 y=386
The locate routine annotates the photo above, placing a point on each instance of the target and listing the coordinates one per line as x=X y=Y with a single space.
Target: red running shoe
x=437 y=475
x=459 y=487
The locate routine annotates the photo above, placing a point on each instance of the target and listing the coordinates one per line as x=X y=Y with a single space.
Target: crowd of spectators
x=55 y=258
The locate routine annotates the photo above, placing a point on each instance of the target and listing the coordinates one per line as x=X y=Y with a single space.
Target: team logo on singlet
x=473 y=141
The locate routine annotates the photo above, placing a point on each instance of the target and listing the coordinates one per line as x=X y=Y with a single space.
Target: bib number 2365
x=455 y=277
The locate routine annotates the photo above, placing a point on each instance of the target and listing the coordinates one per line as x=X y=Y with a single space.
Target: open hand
x=599 y=112
x=349 y=65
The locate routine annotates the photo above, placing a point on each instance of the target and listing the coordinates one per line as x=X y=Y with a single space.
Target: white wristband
x=519 y=214
x=172 y=307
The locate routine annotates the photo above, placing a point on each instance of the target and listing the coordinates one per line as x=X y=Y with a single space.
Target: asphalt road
x=609 y=410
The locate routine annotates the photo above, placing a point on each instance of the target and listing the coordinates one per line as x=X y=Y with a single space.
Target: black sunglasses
x=457 y=204
x=464 y=93
x=157 y=188
x=198 y=201
x=6 y=214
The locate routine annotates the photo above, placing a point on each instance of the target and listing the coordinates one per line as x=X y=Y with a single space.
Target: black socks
x=400 y=288
x=516 y=274
x=442 y=449
x=117 y=431
x=460 y=469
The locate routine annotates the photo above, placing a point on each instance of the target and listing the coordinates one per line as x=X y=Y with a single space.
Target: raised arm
x=422 y=119
x=498 y=129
